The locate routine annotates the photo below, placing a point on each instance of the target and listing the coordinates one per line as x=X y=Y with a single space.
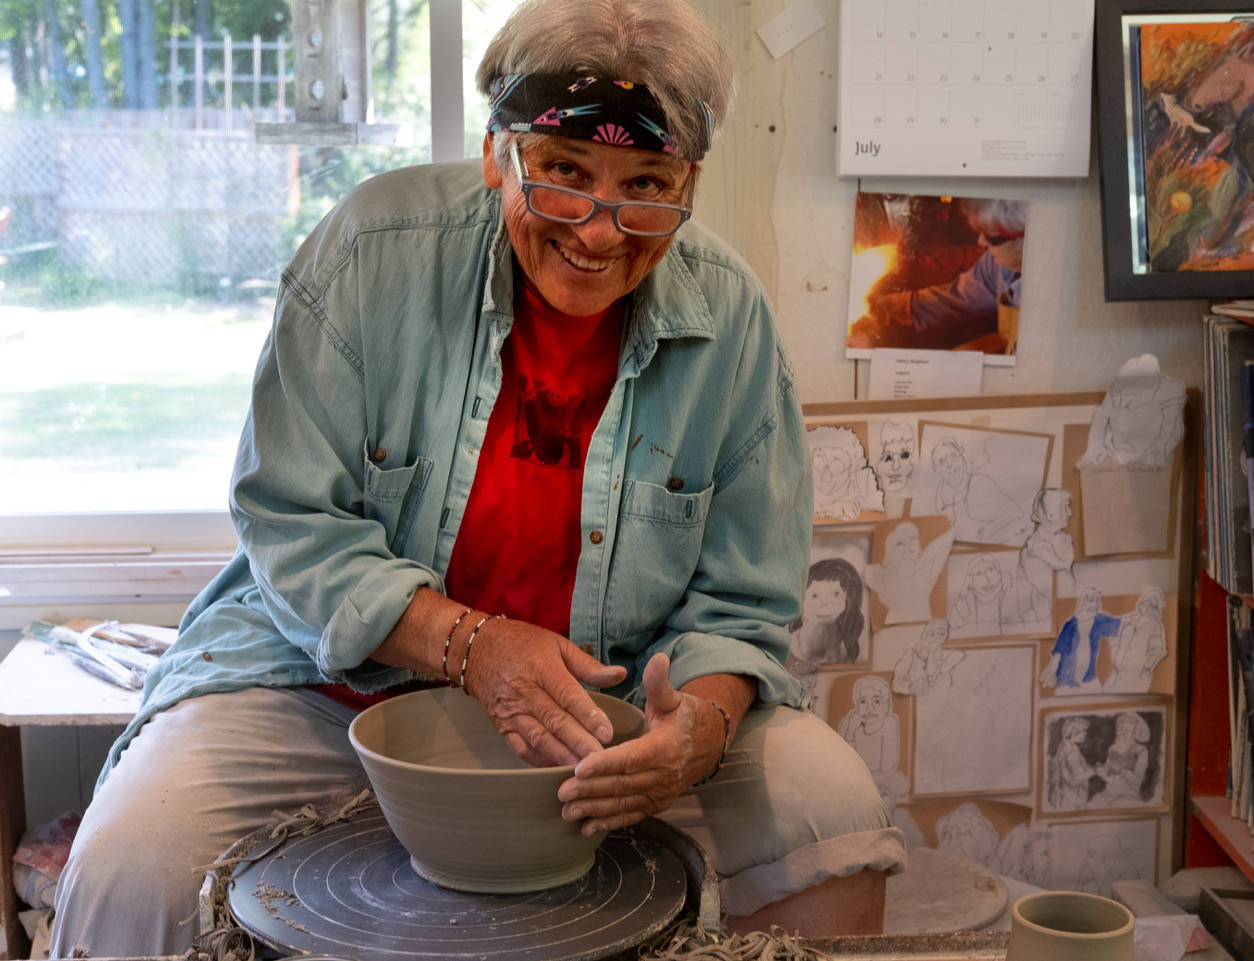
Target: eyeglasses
x=563 y=205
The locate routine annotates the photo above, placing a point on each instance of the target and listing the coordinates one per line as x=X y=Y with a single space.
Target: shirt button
x=379 y=455
x=675 y=483
x=596 y=537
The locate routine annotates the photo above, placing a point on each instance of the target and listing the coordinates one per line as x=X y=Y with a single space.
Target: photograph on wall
x=1106 y=759
x=973 y=735
x=985 y=481
x=846 y=488
x=1195 y=95
x=894 y=451
x=936 y=273
x=906 y=575
x=990 y=597
x=865 y=712
x=1092 y=855
x=834 y=625
x=1112 y=644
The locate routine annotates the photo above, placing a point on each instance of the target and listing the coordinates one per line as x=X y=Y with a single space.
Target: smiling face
x=948 y=461
x=583 y=269
x=895 y=466
x=872 y=700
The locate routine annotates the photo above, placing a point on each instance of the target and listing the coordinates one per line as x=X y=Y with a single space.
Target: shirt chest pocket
x=656 y=550
x=392 y=496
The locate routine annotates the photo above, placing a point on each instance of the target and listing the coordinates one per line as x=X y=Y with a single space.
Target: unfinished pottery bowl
x=472 y=815
x=1069 y=926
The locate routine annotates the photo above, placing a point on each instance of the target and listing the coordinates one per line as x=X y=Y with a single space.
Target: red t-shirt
x=518 y=544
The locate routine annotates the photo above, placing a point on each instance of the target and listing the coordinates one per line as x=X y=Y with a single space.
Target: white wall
x=773 y=194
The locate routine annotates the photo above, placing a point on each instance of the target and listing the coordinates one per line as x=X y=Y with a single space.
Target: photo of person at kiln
x=952 y=274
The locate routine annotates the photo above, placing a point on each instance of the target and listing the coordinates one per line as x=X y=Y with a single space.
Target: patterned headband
x=573 y=105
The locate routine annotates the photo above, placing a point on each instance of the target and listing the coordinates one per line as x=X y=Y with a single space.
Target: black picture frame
x=1127 y=273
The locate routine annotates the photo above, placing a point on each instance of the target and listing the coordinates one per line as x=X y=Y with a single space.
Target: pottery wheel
x=941 y=892
x=348 y=890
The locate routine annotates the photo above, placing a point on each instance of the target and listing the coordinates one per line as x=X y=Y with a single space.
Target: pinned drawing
x=1048 y=550
x=1140 y=645
x=845 y=485
x=1092 y=855
x=1072 y=668
x=832 y=626
x=966 y=831
x=981 y=595
x=1107 y=759
x=974 y=735
x=894 y=465
x=871 y=725
x=927 y=666
x=1141 y=419
x=902 y=818
x=1026 y=854
x=908 y=572
x=984 y=481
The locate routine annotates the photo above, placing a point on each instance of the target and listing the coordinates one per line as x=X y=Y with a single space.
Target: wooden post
x=12 y=824
x=228 y=75
x=199 y=80
x=256 y=73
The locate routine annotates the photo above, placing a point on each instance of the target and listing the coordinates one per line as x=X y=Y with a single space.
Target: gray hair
x=663 y=44
x=993 y=216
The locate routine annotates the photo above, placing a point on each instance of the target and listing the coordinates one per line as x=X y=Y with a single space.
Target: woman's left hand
x=631 y=781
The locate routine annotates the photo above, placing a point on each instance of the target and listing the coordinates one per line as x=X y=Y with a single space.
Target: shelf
x=1231 y=835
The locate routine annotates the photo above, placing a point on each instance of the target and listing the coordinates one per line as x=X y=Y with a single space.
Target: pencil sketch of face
x=950 y=461
x=985 y=577
x=838 y=455
x=895 y=465
x=872 y=697
x=1151 y=603
x=1052 y=509
x=967 y=830
x=1089 y=602
x=1074 y=729
x=1131 y=727
x=825 y=600
x=935 y=633
x=902 y=549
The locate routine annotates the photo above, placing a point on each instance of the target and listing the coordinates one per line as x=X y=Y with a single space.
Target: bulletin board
x=1017 y=682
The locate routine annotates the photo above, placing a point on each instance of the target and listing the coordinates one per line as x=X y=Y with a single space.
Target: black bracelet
x=727 y=733
x=461 y=682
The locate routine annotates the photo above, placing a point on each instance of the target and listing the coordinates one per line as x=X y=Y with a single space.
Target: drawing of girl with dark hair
x=830 y=626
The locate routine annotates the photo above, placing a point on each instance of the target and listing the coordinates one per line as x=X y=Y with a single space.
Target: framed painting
x=1175 y=100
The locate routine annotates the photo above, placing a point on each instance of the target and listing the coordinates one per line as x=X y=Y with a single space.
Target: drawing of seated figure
x=1105 y=862
x=1048 y=549
x=1068 y=771
x=895 y=465
x=904 y=580
x=986 y=595
x=966 y=831
x=1073 y=662
x=1127 y=760
x=873 y=730
x=1141 y=419
x=1140 y=644
x=926 y=666
x=977 y=508
x=830 y=626
x=844 y=484
x=1026 y=854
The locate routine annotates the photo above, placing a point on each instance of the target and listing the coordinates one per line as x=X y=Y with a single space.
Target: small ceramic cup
x=1069 y=926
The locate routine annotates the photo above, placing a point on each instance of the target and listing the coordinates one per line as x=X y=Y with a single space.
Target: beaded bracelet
x=727 y=725
x=470 y=640
x=449 y=640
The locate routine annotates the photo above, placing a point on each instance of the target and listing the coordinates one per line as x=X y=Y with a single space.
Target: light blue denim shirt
x=370 y=403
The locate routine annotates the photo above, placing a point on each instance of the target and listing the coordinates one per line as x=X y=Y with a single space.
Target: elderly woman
x=513 y=430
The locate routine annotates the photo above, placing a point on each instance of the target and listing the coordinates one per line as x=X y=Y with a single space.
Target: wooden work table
x=39 y=687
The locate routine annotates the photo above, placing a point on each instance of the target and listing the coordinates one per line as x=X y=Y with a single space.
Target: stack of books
x=1229 y=348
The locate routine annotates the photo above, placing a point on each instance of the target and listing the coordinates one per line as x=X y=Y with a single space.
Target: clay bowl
x=1069 y=926
x=471 y=814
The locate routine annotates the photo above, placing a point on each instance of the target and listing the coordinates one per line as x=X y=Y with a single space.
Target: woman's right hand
x=530 y=681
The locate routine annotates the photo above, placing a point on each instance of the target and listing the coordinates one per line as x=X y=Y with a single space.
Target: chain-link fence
x=146 y=204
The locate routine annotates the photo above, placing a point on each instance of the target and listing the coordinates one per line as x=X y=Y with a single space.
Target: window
x=143 y=230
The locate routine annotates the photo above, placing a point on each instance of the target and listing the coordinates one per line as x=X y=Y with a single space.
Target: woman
x=511 y=391
x=904 y=580
x=1069 y=770
x=1140 y=644
x=872 y=727
x=829 y=630
x=1127 y=761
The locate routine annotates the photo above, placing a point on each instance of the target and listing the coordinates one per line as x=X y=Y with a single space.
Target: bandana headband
x=617 y=112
